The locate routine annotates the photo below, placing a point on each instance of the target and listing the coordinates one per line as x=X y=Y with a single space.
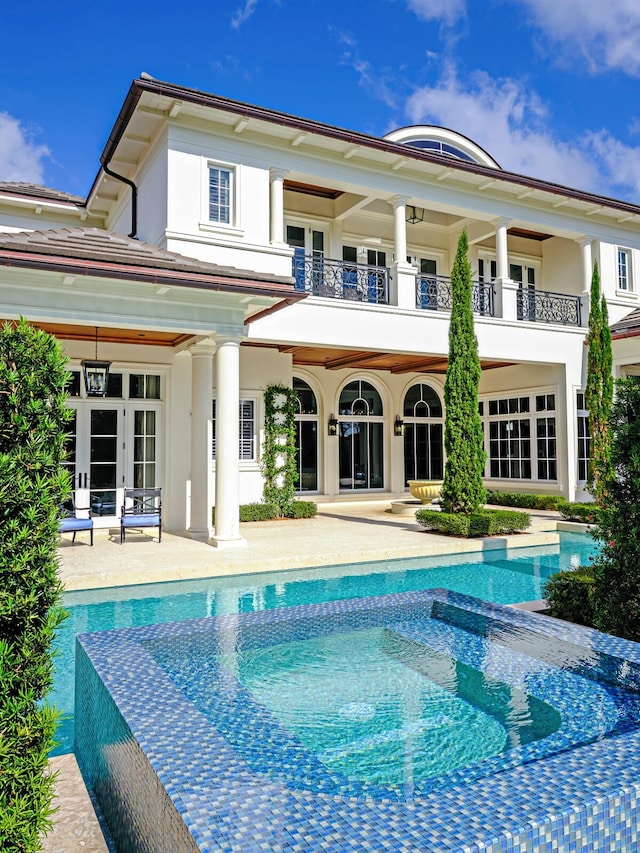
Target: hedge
x=488 y=522
x=269 y=511
x=569 y=595
x=526 y=500
x=587 y=513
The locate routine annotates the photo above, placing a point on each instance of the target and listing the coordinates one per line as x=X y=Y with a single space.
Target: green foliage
x=617 y=566
x=586 y=513
x=599 y=390
x=486 y=522
x=462 y=490
x=304 y=509
x=279 y=467
x=526 y=500
x=33 y=484
x=267 y=511
x=569 y=595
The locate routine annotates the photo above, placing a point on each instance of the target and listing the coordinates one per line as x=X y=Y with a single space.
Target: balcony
x=341 y=279
x=433 y=293
x=546 y=307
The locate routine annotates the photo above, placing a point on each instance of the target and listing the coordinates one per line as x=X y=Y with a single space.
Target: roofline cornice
x=130 y=272
x=195 y=96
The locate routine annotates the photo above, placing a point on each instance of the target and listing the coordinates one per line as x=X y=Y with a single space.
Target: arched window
x=306 y=437
x=423 y=434
x=360 y=430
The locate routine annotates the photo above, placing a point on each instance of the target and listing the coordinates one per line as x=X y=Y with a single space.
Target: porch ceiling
x=336 y=359
x=141 y=337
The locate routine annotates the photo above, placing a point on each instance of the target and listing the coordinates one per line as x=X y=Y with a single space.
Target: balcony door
x=308 y=254
x=525 y=276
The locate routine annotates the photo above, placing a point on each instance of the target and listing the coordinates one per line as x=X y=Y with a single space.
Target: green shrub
x=488 y=522
x=526 y=500
x=33 y=485
x=587 y=513
x=269 y=511
x=304 y=509
x=569 y=595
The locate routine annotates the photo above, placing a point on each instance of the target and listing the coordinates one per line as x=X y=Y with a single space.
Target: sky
x=548 y=87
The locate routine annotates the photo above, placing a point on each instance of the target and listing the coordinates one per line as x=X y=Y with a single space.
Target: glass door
x=95 y=445
x=308 y=258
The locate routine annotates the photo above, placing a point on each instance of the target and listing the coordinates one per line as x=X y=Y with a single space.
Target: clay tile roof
x=35 y=191
x=98 y=246
x=630 y=323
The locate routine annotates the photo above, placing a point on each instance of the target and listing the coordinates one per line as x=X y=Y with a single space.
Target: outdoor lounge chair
x=142 y=508
x=70 y=522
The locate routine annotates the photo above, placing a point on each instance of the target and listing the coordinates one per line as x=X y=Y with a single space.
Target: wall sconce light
x=96 y=374
x=398 y=426
x=333 y=425
x=414 y=214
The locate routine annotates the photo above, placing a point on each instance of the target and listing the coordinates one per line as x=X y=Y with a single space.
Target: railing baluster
x=341 y=279
x=433 y=293
x=547 y=307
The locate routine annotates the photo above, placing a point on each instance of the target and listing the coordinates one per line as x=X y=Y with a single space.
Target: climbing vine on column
x=279 y=452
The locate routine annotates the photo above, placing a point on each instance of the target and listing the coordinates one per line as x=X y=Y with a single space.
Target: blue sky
x=548 y=87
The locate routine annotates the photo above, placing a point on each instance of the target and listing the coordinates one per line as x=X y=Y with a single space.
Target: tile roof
x=630 y=323
x=106 y=247
x=37 y=191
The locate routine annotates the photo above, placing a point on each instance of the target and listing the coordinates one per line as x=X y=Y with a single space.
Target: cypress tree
x=462 y=490
x=33 y=484
x=616 y=595
x=599 y=390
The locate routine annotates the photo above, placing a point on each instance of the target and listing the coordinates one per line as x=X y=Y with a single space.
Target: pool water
x=495 y=576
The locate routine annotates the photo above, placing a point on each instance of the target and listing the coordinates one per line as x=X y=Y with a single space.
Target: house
x=224 y=247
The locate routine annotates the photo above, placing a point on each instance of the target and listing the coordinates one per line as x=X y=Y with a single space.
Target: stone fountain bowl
x=425 y=490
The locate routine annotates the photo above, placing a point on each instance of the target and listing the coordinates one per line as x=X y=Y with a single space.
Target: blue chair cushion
x=143 y=519
x=68 y=525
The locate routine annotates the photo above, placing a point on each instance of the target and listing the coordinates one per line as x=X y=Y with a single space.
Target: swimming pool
x=499 y=576
x=484 y=728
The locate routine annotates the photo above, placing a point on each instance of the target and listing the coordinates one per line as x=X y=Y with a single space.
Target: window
x=360 y=434
x=624 y=269
x=247 y=426
x=423 y=434
x=306 y=437
x=144 y=387
x=220 y=187
x=512 y=452
x=584 y=438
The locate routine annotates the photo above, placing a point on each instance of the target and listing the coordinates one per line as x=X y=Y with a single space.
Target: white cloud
x=607 y=34
x=243 y=14
x=21 y=159
x=446 y=11
x=371 y=81
x=512 y=124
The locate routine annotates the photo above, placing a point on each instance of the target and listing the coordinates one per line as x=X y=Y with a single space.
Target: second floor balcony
x=337 y=279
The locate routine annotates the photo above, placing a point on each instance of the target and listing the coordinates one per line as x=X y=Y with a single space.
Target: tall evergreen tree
x=462 y=490
x=616 y=595
x=599 y=390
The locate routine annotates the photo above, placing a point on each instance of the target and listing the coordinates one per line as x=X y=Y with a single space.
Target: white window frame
x=624 y=283
x=246 y=462
x=231 y=228
x=582 y=417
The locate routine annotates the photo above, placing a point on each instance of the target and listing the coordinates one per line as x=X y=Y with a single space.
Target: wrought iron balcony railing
x=341 y=279
x=546 y=307
x=433 y=292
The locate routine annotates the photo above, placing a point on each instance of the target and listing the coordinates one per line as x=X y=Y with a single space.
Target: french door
x=111 y=446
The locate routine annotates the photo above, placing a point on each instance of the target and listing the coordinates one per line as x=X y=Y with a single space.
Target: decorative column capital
x=584 y=241
x=502 y=222
x=399 y=201
x=206 y=347
x=277 y=173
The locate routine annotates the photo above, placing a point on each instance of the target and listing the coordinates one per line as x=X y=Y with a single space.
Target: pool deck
x=342 y=532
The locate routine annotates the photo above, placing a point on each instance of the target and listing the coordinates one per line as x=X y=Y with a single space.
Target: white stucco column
x=502 y=257
x=227 y=526
x=201 y=434
x=276 y=212
x=400 y=228
x=403 y=275
x=585 y=244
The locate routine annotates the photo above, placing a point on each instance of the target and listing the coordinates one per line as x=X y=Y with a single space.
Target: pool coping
x=575 y=792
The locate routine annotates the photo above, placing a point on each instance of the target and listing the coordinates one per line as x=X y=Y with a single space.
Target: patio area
x=342 y=532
